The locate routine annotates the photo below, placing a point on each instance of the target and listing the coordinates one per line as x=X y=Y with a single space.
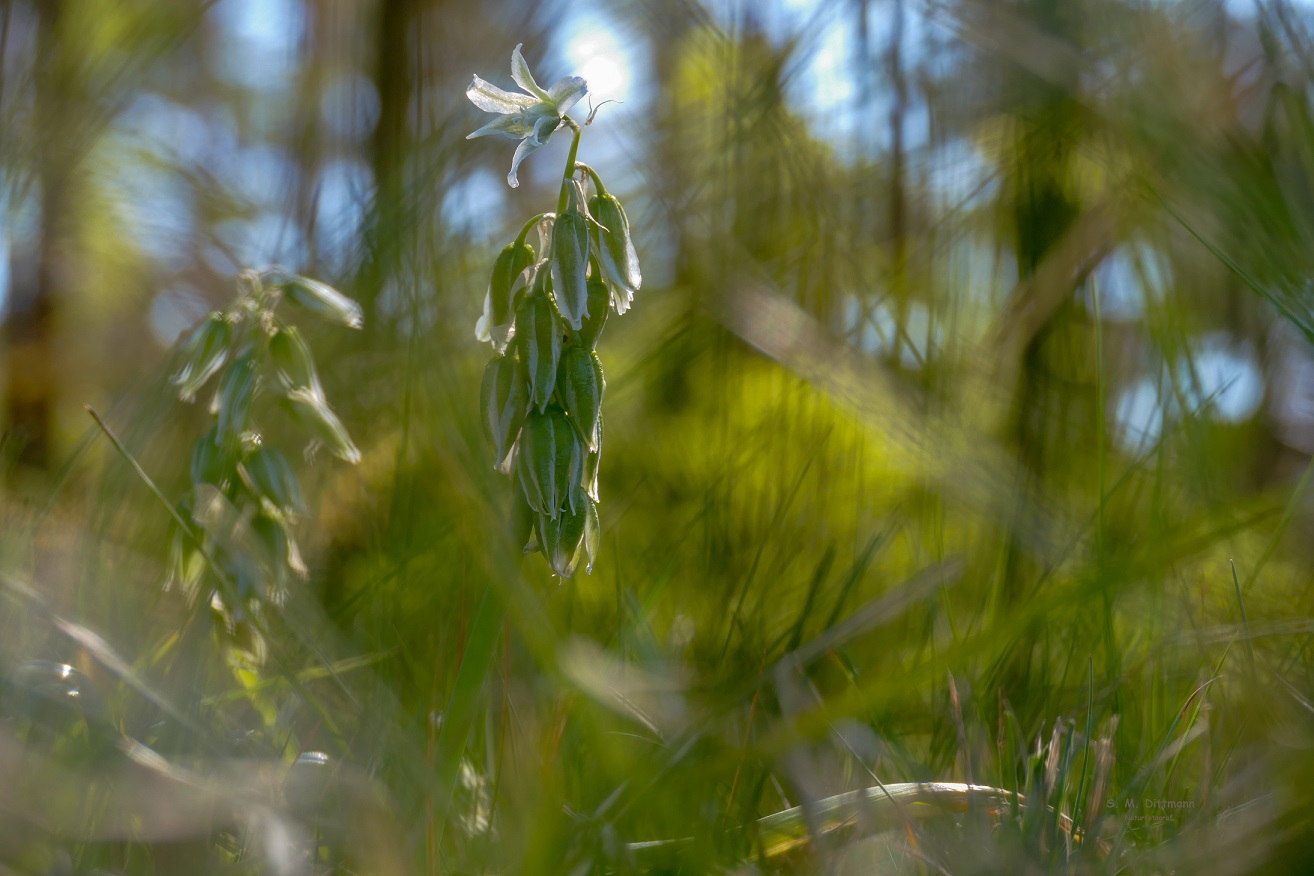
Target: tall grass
x=897 y=573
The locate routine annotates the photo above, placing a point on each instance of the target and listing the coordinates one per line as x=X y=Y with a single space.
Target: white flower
x=530 y=117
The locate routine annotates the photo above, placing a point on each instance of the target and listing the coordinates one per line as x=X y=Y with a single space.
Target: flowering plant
x=543 y=311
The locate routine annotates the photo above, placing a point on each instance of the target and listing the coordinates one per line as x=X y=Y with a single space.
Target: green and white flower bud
x=550 y=464
x=205 y=350
x=507 y=280
x=237 y=389
x=570 y=539
x=615 y=252
x=292 y=359
x=538 y=338
x=591 y=326
x=523 y=523
x=503 y=403
x=580 y=385
x=272 y=478
x=313 y=413
x=592 y=463
x=324 y=301
x=212 y=460
x=570 y=259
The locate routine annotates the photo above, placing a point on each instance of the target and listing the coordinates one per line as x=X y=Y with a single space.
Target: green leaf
x=324 y=301
x=550 y=464
x=237 y=388
x=538 y=338
x=205 y=351
x=616 y=254
x=570 y=259
x=580 y=385
x=503 y=403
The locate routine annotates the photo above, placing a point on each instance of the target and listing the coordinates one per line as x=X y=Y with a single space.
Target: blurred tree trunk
x=29 y=337
x=394 y=80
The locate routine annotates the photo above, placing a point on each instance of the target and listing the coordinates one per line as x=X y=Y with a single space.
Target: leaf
x=538 y=338
x=580 y=385
x=550 y=465
x=206 y=351
x=503 y=404
x=616 y=254
x=324 y=301
x=570 y=259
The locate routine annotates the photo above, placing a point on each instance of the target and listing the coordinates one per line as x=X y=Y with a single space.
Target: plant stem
x=524 y=229
x=563 y=200
x=459 y=716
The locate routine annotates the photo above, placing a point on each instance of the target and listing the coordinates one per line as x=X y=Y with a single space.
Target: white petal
x=520 y=73
x=513 y=127
x=481 y=327
x=523 y=151
x=543 y=129
x=566 y=92
x=489 y=98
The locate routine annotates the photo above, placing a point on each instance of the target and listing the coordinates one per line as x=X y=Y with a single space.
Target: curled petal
x=489 y=98
x=566 y=92
x=520 y=73
x=544 y=127
x=523 y=151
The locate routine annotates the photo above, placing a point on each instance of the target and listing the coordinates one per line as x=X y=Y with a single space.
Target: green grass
x=909 y=605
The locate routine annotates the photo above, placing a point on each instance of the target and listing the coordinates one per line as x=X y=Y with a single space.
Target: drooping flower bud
x=205 y=352
x=538 y=338
x=503 y=402
x=313 y=412
x=550 y=464
x=580 y=385
x=237 y=388
x=616 y=253
x=506 y=281
x=591 y=326
x=323 y=300
x=292 y=360
x=273 y=479
x=570 y=259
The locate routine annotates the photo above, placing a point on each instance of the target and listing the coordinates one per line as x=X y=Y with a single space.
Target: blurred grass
x=870 y=514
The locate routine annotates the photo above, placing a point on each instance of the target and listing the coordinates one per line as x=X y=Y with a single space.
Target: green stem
x=525 y=229
x=597 y=180
x=563 y=200
x=459 y=716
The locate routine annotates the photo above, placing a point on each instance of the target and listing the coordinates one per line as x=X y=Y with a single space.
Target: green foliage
x=922 y=473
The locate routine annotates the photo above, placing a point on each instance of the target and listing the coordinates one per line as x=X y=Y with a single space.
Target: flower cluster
x=244 y=500
x=541 y=402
